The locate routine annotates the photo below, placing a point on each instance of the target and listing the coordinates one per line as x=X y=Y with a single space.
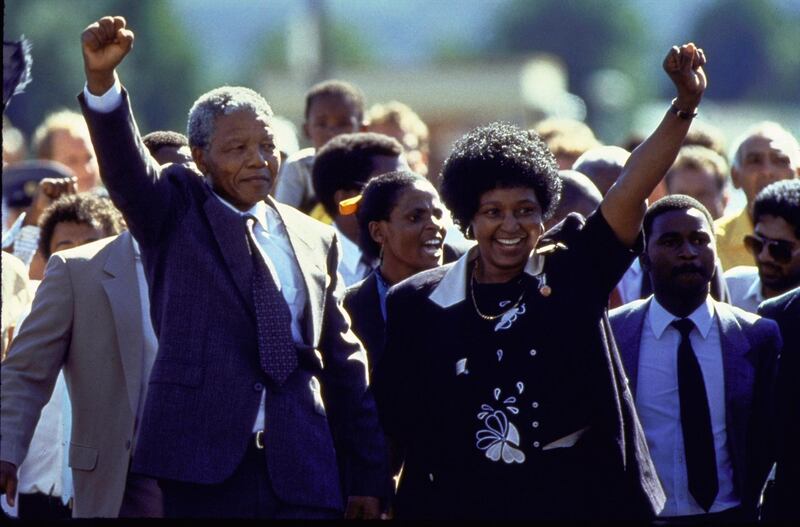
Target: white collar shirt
x=272 y=239
x=744 y=286
x=352 y=266
x=658 y=404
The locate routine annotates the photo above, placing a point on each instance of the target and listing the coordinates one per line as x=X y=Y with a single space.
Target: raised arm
x=127 y=169
x=624 y=204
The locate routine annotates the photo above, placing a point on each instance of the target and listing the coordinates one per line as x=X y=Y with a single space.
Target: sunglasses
x=780 y=250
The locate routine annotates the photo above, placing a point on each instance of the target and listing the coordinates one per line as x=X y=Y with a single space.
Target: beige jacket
x=86 y=318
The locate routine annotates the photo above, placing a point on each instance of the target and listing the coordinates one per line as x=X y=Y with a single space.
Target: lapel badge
x=544 y=289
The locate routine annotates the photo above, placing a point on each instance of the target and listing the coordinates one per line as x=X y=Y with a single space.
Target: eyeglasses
x=780 y=250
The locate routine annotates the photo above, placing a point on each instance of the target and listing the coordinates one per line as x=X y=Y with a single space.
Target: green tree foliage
x=753 y=49
x=585 y=34
x=161 y=72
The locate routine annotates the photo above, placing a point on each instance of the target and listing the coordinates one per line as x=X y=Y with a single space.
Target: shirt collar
x=754 y=291
x=452 y=289
x=259 y=211
x=636 y=267
x=660 y=318
x=137 y=253
x=351 y=253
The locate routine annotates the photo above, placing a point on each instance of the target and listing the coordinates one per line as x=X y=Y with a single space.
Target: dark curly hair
x=378 y=200
x=345 y=163
x=781 y=199
x=85 y=208
x=669 y=204
x=498 y=155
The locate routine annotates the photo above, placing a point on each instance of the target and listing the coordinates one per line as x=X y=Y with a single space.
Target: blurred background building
x=457 y=63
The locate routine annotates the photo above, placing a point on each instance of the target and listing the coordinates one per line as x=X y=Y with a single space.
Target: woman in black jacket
x=499 y=385
x=401 y=224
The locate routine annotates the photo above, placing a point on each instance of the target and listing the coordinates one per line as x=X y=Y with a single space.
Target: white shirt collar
x=137 y=253
x=452 y=289
x=351 y=253
x=635 y=268
x=259 y=211
x=660 y=318
x=754 y=291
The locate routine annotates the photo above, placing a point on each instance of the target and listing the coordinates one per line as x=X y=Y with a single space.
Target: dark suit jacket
x=206 y=382
x=750 y=347
x=782 y=501
x=363 y=303
x=426 y=336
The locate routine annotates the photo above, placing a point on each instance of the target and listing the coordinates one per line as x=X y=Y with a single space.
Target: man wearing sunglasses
x=775 y=246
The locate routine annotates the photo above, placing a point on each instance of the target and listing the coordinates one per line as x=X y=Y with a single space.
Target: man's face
x=76 y=152
x=329 y=116
x=680 y=253
x=242 y=161
x=69 y=234
x=763 y=160
x=173 y=154
x=700 y=184
x=777 y=275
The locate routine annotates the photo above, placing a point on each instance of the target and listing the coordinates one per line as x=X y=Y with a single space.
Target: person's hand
x=48 y=190
x=684 y=65
x=105 y=43
x=8 y=481
x=362 y=508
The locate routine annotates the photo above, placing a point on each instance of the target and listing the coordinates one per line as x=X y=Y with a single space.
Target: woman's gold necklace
x=475 y=302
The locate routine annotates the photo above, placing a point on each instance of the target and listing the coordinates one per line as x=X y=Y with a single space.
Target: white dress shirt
x=276 y=250
x=630 y=286
x=352 y=266
x=744 y=286
x=658 y=404
x=269 y=233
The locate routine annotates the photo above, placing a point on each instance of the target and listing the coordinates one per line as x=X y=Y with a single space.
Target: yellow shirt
x=319 y=214
x=731 y=231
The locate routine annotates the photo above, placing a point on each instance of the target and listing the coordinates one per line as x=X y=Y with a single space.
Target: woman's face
x=413 y=237
x=507 y=226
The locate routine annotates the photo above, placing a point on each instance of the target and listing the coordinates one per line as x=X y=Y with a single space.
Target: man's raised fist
x=105 y=43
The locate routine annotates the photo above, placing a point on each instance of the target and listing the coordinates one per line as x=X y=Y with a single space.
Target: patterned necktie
x=276 y=350
x=698 y=439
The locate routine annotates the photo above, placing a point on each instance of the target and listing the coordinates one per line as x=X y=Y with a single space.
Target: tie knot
x=684 y=326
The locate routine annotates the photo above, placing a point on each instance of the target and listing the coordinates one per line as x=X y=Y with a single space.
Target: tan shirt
x=730 y=231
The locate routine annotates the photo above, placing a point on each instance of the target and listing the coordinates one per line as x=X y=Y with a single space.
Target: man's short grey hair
x=222 y=101
x=771 y=130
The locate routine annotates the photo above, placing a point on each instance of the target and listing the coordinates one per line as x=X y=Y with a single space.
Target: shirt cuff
x=105 y=103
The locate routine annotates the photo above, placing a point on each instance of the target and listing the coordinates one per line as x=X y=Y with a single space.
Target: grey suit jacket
x=206 y=382
x=750 y=348
x=86 y=318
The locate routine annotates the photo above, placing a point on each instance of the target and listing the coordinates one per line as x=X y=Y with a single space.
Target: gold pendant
x=545 y=291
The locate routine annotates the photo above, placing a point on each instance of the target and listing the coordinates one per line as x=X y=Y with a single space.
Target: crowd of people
x=218 y=325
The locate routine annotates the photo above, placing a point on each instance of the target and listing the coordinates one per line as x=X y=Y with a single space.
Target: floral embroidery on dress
x=509 y=317
x=499 y=437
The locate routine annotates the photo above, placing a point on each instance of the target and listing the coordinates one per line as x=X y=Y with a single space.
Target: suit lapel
x=739 y=380
x=120 y=286
x=314 y=277
x=629 y=339
x=231 y=235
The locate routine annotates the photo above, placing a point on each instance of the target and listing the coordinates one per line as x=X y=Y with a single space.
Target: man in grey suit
x=87 y=318
x=702 y=373
x=256 y=361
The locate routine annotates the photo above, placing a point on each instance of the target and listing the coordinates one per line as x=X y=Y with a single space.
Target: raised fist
x=105 y=43
x=684 y=65
x=49 y=190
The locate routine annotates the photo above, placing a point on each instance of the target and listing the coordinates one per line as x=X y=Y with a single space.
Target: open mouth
x=433 y=247
x=510 y=242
